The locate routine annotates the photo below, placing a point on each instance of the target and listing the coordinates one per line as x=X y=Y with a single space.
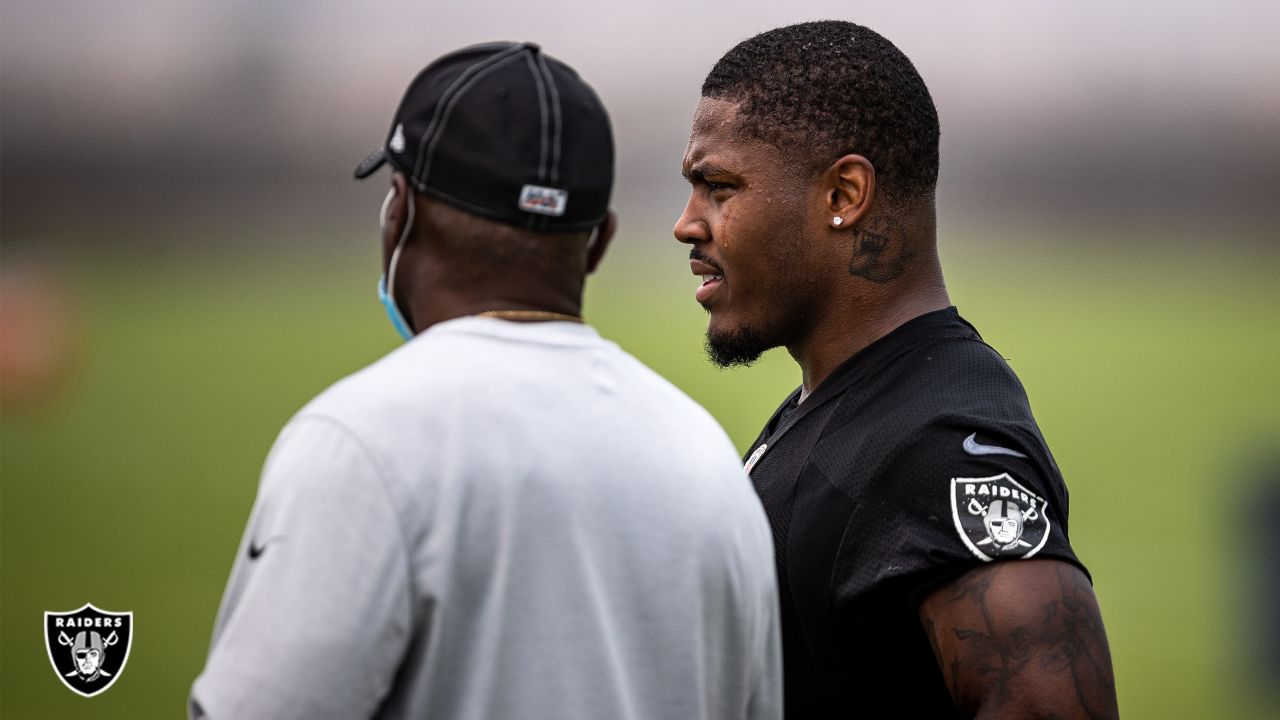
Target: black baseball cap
x=503 y=131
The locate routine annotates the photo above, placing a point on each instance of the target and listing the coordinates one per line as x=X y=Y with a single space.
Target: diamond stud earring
x=837 y=220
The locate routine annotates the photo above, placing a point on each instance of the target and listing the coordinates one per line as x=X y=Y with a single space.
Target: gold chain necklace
x=529 y=315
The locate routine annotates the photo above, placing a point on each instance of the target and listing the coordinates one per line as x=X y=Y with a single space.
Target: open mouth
x=711 y=278
x=708 y=287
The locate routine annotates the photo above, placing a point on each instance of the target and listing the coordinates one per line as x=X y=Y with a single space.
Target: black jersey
x=916 y=460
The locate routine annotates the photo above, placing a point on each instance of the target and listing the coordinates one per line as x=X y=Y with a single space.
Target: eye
x=720 y=191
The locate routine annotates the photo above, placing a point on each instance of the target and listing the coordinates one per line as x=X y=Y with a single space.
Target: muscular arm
x=1022 y=639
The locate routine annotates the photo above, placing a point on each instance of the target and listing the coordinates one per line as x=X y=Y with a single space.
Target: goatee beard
x=741 y=347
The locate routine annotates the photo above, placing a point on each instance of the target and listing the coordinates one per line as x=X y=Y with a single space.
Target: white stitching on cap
x=462 y=78
x=542 y=106
x=444 y=119
x=535 y=222
x=426 y=152
x=459 y=84
x=555 y=115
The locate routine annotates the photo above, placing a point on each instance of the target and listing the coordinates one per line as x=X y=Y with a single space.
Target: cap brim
x=370 y=164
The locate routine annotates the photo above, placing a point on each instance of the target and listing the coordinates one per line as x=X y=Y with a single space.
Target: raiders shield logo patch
x=88 y=647
x=998 y=518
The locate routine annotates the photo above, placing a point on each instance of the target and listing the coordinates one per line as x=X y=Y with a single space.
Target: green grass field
x=1155 y=381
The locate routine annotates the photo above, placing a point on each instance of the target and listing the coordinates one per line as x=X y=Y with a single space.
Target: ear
x=395 y=212
x=849 y=189
x=603 y=234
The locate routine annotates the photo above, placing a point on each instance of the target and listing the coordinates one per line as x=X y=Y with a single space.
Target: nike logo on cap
x=973 y=447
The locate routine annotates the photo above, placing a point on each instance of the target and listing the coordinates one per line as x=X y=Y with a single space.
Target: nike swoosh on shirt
x=256 y=550
x=973 y=447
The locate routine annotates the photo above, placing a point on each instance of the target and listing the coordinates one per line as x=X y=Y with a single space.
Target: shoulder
x=670 y=422
x=925 y=404
x=662 y=396
x=434 y=366
x=956 y=375
x=320 y=453
x=944 y=444
x=958 y=410
x=321 y=474
x=959 y=458
x=378 y=418
x=961 y=491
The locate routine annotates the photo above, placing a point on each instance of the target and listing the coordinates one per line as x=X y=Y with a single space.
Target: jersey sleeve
x=316 y=615
x=954 y=496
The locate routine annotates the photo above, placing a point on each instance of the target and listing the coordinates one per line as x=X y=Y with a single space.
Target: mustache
x=697 y=254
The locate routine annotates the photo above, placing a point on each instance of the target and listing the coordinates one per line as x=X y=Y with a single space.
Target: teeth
x=711 y=278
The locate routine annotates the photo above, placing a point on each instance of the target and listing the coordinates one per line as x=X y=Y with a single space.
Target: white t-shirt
x=500 y=520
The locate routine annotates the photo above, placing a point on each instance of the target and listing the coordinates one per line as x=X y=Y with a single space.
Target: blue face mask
x=397 y=318
x=385 y=296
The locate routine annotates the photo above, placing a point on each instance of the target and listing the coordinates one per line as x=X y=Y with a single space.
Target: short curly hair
x=833 y=88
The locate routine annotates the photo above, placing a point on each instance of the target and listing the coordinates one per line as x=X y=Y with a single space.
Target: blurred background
x=185 y=260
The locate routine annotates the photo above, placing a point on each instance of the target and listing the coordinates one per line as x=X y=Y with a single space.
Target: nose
x=691 y=228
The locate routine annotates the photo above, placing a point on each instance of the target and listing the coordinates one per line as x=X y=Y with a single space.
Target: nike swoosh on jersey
x=973 y=447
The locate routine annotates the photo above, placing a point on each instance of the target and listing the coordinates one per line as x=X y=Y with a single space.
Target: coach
x=507 y=517
x=920 y=522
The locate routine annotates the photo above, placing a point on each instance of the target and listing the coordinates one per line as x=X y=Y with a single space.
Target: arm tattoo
x=1025 y=644
x=880 y=250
